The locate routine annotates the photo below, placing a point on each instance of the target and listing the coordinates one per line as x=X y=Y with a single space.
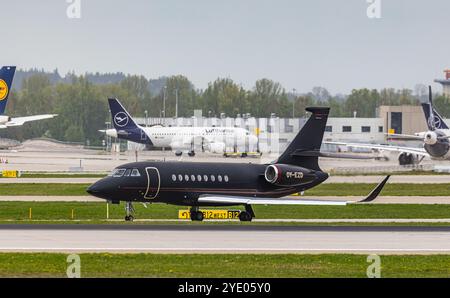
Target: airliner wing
x=418 y=151
x=18 y=121
x=238 y=200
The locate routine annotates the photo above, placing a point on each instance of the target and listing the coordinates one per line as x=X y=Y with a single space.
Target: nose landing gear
x=129 y=211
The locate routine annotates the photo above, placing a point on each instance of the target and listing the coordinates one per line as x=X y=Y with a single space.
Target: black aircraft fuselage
x=221 y=184
x=181 y=183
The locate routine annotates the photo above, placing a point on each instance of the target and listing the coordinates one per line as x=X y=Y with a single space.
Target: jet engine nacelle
x=287 y=175
x=216 y=147
x=430 y=138
x=4 y=119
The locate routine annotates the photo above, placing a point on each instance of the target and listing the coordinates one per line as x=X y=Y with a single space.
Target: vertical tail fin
x=121 y=119
x=6 y=79
x=437 y=121
x=125 y=126
x=308 y=140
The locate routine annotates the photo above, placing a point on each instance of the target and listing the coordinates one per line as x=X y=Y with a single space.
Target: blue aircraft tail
x=6 y=79
x=438 y=121
x=125 y=126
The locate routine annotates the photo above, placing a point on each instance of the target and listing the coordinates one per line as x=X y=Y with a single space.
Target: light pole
x=164 y=104
x=293 y=102
x=176 y=103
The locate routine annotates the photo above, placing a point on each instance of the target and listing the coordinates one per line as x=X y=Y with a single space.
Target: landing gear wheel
x=196 y=216
x=245 y=216
x=191 y=153
x=129 y=218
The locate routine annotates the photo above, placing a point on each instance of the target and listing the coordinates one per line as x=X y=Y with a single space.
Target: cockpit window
x=135 y=173
x=118 y=172
x=127 y=173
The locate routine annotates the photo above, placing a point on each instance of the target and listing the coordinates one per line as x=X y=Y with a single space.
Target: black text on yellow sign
x=10 y=174
x=211 y=214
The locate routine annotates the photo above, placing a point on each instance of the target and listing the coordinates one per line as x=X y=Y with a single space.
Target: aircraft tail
x=124 y=124
x=438 y=121
x=6 y=79
x=304 y=150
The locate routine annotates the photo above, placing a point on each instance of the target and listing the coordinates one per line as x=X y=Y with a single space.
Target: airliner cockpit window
x=118 y=172
x=135 y=173
x=127 y=173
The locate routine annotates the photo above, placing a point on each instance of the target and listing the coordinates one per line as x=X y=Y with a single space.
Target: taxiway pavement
x=224 y=239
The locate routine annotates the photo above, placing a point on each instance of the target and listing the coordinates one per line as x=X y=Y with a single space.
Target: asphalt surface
x=225 y=239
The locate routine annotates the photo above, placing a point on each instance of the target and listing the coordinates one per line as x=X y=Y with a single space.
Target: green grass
x=332 y=189
x=97 y=211
x=222 y=265
x=62 y=175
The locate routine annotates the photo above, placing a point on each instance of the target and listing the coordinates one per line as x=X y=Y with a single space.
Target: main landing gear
x=248 y=214
x=196 y=215
x=129 y=211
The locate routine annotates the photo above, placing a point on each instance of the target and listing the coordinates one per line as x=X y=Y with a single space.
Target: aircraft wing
x=18 y=121
x=412 y=150
x=238 y=200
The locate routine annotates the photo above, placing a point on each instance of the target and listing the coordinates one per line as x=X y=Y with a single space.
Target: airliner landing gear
x=248 y=214
x=191 y=153
x=178 y=153
x=196 y=215
x=129 y=211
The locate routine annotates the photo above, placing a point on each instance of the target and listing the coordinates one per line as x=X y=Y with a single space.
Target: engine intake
x=287 y=175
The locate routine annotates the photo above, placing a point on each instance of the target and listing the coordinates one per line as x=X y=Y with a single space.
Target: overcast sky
x=300 y=44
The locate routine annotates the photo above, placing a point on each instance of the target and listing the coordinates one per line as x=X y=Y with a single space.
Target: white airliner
x=212 y=139
x=6 y=79
x=435 y=141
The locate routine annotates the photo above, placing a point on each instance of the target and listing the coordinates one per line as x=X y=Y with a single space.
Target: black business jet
x=198 y=184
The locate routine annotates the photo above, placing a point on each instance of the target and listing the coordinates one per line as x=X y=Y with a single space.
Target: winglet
x=376 y=191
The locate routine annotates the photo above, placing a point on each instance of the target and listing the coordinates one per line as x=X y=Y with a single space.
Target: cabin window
x=174 y=177
x=199 y=177
x=193 y=178
x=213 y=178
x=226 y=178
x=127 y=173
x=219 y=178
x=186 y=177
x=118 y=173
x=180 y=177
x=135 y=173
x=205 y=178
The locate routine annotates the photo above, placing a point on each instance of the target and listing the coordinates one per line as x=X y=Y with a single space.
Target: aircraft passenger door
x=153 y=183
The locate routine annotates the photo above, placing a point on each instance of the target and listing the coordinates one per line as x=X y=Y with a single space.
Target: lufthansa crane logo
x=121 y=119
x=3 y=90
x=437 y=121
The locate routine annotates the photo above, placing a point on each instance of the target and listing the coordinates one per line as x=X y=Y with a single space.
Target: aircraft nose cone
x=97 y=189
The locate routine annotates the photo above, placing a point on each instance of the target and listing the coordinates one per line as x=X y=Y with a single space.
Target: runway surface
x=225 y=239
x=379 y=200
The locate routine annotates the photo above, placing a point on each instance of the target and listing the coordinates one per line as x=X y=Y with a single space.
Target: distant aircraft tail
x=304 y=150
x=125 y=126
x=6 y=79
x=438 y=121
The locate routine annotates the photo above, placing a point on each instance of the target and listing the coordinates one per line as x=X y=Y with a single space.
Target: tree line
x=82 y=108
